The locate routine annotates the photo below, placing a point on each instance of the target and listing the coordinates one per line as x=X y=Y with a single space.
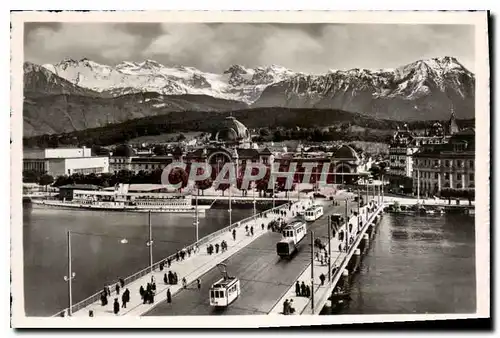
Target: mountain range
x=74 y=95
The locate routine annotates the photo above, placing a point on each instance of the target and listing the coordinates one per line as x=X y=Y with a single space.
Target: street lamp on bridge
x=71 y=274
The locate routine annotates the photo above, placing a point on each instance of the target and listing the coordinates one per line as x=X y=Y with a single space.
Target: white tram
x=293 y=233
x=313 y=213
x=225 y=290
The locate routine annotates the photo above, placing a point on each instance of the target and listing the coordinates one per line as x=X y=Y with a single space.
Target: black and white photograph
x=287 y=168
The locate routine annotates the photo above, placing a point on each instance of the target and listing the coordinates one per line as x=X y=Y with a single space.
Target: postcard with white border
x=170 y=169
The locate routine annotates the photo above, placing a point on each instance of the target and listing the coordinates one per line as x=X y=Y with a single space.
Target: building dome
x=124 y=150
x=232 y=130
x=346 y=152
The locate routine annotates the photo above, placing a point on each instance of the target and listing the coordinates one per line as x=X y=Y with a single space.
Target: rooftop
x=80 y=187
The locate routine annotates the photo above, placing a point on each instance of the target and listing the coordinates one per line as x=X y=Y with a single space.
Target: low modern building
x=64 y=161
x=450 y=165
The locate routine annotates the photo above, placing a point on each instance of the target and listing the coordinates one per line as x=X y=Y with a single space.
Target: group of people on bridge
x=186 y=252
x=302 y=290
x=288 y=308
x=170 y=278
x=106 y=292
x=148 y=294
x=211 y=248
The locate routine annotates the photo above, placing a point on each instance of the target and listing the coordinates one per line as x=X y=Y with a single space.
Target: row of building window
x=447 y=163
x=400 y=161
x=38 y=166
x=170 y=203
x=426 y=174
x=429 y=186
x=85 y=171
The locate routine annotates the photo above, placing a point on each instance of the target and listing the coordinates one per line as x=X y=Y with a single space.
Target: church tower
x=452 y=125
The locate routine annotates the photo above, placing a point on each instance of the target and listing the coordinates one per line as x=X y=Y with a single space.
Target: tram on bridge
x=313 y=213
x=293 y=233
x=225 y=290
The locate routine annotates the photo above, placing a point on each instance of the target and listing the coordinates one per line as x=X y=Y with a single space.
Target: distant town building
x=64 y=161
x=232 y=144
x=127 y=158
x=405 y=144
x=450 y=165
x=343 y=164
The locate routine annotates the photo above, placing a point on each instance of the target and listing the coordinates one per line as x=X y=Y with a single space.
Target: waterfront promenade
x=192 y=267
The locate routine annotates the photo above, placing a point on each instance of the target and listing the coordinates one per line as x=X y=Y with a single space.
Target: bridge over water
x=265 y=278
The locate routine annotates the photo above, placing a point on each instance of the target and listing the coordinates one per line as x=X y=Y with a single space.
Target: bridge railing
x=345 y=259
x=96 y=297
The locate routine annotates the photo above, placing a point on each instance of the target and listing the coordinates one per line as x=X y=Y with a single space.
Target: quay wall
x=349 y=263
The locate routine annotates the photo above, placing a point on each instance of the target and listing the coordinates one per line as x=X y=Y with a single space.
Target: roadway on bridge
x=264 y=277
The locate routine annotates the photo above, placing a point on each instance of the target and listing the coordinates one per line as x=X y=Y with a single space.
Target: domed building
x=230 y=143
x=345 y=161
x=232 y=133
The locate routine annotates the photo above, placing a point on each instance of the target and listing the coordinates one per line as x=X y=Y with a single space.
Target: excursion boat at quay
x=120 y=199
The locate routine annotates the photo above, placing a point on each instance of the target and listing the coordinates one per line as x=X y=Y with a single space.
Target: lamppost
x=346 y=227
x=230 y=210
x=274 y=186
x=150 y=242
x=254 y=200
x=71 y=274
x=196 y=218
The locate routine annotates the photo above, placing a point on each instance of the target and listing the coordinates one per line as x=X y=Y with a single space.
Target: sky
x=214 y=47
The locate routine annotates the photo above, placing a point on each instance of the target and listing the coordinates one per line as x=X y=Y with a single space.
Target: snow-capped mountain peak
x=421 y=87
x=236 y=83
x=436 y=76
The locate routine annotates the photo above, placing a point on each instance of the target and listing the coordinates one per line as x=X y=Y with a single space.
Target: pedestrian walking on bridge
x=234 y=234
x=286 y=307
x=198 y=282
x=124 y=300
x=116 y=306
x=251 y=230
x=297 y=288
x=104 y=299
x=169 y=296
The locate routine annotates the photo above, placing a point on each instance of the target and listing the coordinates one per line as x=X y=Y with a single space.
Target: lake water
x=417 y=265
